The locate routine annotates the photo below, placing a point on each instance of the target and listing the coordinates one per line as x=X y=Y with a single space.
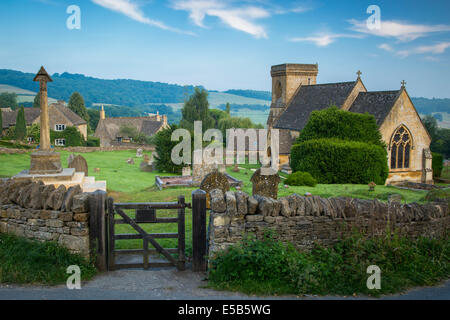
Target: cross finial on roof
x=359 y=73
x=403 y=83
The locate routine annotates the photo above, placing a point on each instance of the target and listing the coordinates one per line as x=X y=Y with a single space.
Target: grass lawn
x=126 y=183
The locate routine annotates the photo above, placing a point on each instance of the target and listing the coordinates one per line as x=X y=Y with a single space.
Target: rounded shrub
x=437 y=164
x=300 y=178
x=340 y=161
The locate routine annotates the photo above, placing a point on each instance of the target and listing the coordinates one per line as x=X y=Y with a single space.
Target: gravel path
x=169 y=284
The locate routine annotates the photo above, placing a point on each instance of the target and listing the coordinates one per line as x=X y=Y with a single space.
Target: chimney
x=164 y=120
x=102 y=114
x=158 y=117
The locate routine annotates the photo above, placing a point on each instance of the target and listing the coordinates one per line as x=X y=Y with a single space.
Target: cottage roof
x=109 y=128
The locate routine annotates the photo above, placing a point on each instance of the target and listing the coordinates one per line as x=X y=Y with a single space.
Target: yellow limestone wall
x=404 y=113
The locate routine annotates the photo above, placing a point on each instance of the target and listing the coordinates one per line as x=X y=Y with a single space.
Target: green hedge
x=339 y=161
x=301 y=179
x=339 y=124
x=437 y=164
x=93 y=142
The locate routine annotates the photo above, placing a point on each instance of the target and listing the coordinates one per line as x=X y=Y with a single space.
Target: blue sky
x=232 y=44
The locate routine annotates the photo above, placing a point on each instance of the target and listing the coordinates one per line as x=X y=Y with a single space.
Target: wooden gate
x=146 y=213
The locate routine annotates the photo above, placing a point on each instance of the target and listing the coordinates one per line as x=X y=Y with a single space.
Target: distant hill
x=262 y=95
x=118 y=92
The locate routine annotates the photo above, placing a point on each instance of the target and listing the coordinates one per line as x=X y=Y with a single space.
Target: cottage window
x=60 y=127
x=401 y=148
x=60 y=142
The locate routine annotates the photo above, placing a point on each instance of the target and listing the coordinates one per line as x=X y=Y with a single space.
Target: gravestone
x=235 y=168
x=70 y=158
x=146 y=158
x=186 y=171
x=79 y=164
x=139 y=153
x=145 y=166
x=130 y=161
x=265 y=185
x=200 y=171
x=214 y=180
x=96 y=169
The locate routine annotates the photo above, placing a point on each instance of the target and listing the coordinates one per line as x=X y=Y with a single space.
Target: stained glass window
x=400 y=148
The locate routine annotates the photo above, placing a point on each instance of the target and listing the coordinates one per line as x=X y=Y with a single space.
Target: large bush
x=437 y=164
x=300 y=178
x=267 y=266
x=340 y=124
x=163 y=148
x=339 y=161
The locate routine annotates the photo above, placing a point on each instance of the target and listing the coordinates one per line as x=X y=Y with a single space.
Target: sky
x=232 y=44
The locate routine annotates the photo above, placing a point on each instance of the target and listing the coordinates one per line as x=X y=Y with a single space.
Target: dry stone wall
x=36 y=211
x=306 y=221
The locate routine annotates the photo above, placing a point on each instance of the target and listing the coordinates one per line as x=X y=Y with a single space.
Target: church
x=295 y=94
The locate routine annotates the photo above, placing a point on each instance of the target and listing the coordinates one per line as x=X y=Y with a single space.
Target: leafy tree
x=8 y=100
x=133 y=133
x=37 y=101
x=431 y=125
x=440 y=137
x=94 y=118
x=197 y=109
x=1 y=123
x=217 y=116
x=163 y=147
x=76 y=104
x=21 y=126
x=228 y=109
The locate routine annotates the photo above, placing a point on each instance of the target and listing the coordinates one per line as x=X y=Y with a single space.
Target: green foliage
x=21 y=125
x=37 y=101
x=1 y=123
x=73 y=137
x=440 y=137
x=93 y=142
x=8 y=100
x=32 y=262
x=94 y=118
x=76 y=104
x=197 y=109
x=134 y=134
x=14 y=145
x=300 y=178
x=338 y=161
x=163 y=148
x=437 y=164
x=267 y=266
x=228 y=109
x=343 y=125
x=34 y=132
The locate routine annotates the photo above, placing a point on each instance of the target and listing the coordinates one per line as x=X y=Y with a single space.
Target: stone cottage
x=108 y=129
x=295 y=94
x=60 y=117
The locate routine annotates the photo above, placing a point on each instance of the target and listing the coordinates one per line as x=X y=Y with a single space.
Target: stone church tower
x=286 y=81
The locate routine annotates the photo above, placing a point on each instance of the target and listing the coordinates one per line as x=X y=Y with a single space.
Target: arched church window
x=401 y=148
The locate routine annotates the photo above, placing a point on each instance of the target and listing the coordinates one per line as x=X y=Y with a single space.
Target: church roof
x=376 y=103
x=313 y=97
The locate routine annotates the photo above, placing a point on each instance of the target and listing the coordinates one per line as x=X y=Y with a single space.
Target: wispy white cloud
x=324 y=39
x=401 y=31
x=132 y=10
x=386 y=47
x=438 y=48
x=239 y=18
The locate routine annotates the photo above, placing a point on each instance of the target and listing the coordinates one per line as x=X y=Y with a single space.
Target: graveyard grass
x=126 y=183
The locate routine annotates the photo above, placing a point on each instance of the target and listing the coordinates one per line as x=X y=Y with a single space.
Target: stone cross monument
x=44 y=161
